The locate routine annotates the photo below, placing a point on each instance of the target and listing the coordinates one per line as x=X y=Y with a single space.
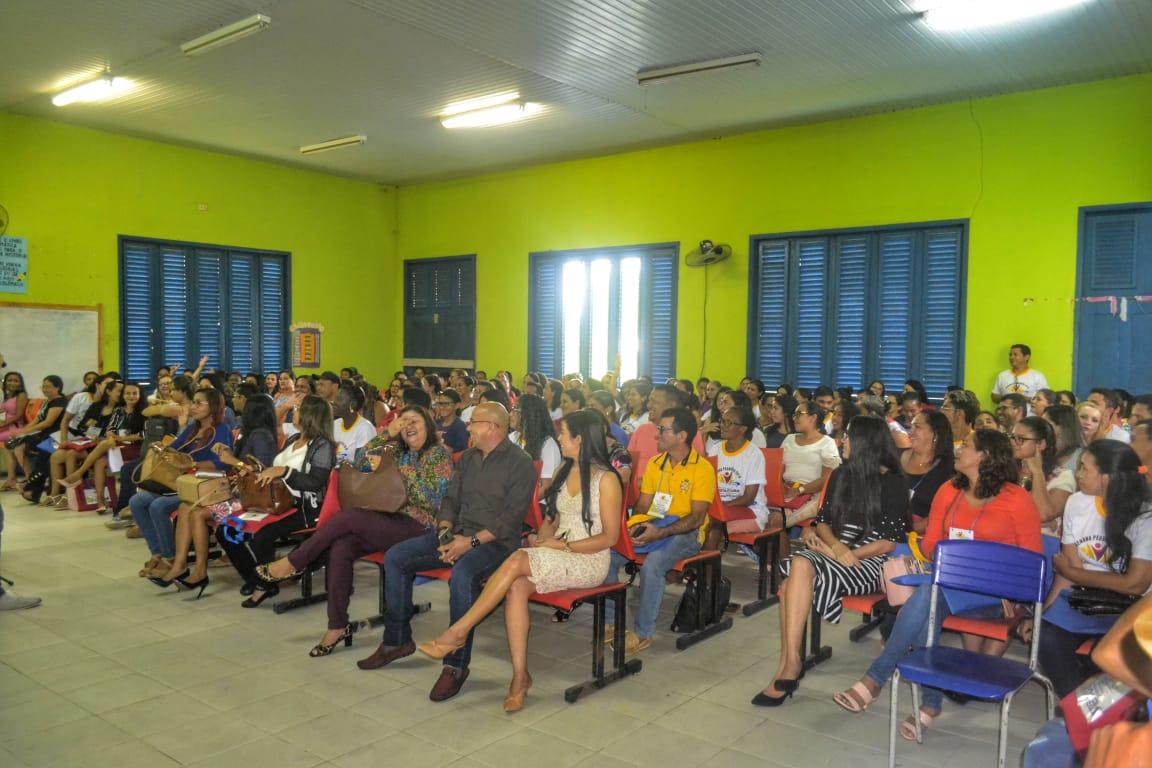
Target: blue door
x=440 y=313
x=1114 y=300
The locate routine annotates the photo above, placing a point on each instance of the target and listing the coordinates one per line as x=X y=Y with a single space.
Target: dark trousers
x=259 y=548
x=468 y=576
x=38 y=462
x=346 y=537
x=1059 y=661
x=127 y=484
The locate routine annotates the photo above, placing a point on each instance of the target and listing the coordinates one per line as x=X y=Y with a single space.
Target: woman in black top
x=257 y=441
x=35 y=461
x=864 y=515
x=92 y=425
x=304 y=465
x=780 y=416
x=928 y=464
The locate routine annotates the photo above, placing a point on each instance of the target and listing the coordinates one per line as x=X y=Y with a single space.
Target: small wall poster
x=306 y=345
x=13 y=265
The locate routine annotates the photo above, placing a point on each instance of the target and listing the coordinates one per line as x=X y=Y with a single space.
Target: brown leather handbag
x=203 y=491
x=381 y=490
x=272 y=499
x=158 y=471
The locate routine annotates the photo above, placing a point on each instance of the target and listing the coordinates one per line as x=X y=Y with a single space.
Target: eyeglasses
x=440 y=403
x=1021 y=439
x=661 y=429
x=798 y=414
x=727 y=422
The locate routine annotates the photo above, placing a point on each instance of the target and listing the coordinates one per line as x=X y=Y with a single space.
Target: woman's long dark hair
x=1066 y=430
x=535 y=424
x=554 y=389
x=997 y=469
x=589 y=427
x=576 y=396
x=787 y=405
x=259 y=413
x=944 y=452
x=184 y=384
x=22 y=389
x=1042 y=430
x=856 y=497
x=605 y=400
x=315 y=419
x=1126 y=494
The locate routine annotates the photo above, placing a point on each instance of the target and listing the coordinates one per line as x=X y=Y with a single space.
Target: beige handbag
x=203 y=491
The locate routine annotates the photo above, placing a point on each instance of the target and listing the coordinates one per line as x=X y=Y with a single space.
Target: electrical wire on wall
x=704 y=326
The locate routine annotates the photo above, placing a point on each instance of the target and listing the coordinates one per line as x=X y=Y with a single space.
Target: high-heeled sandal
x=908 y=727
x=514 y=701
x=49 y=500
x=164 y=583
x=265 y=574
x=260 y=595
x=322 y=649
x=435 y=650
x=200 y=585
x=148 y=566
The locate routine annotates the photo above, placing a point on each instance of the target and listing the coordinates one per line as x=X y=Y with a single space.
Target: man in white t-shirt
x=1019 y=378
x=1109 y=404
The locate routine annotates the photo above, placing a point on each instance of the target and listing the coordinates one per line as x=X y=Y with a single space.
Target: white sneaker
x=10 y=602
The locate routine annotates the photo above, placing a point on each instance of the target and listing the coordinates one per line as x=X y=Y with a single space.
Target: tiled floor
x=111 y=671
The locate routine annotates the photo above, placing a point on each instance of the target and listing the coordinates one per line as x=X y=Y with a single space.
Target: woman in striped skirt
x=864 y=515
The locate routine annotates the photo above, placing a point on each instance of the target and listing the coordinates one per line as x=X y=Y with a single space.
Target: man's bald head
x=489 y=426
x=492 y=412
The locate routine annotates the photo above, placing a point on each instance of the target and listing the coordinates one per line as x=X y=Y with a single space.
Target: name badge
x=661 y=503
x=963 y=534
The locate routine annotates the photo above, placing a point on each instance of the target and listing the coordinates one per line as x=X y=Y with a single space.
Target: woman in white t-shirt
x=1034 y=446
x=350 y=431
x=712 y=429
x=1106 y=544
x=809 y=458
x=533 y=430
x=740 y=471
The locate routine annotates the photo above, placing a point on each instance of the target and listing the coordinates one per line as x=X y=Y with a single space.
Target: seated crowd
x=861 y=473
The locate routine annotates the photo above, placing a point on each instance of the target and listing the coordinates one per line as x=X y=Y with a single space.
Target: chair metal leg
x=893 y=714
x=1003 y=745
x=916 y=713
x=1049 y=693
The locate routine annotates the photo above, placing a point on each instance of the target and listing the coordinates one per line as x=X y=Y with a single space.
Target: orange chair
x=32 y=409
x=766 y=544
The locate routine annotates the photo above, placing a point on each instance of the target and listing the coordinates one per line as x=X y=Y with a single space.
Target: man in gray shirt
x=478 y=527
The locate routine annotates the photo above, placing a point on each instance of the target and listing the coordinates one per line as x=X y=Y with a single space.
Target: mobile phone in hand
x=639 y=530
x=444 y=536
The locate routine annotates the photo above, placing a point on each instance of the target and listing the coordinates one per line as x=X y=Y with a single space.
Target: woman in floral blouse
x=426 y=467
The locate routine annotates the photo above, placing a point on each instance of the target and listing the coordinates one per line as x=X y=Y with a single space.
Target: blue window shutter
x=137 y=278
x=894 y=308
x=544 y=337
x=661 y=336
x=209 y=325
x=1112 y=243
x=241 y=319
x=811 y=277
x=941 y=311
x=174 y=309
x=850 y=311
x=273 y=313
x=771 y=313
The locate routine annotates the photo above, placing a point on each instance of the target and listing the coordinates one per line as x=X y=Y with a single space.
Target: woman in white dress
x=571 y=551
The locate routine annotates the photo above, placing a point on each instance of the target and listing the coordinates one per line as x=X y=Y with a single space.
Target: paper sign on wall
x=306 y=345
x=13 y=265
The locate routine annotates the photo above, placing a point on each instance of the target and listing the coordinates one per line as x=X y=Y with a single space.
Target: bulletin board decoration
x=306 y=344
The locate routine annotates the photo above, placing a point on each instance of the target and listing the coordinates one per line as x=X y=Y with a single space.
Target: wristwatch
x=474 y=541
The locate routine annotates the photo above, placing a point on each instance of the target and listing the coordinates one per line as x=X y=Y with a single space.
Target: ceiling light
x=970 y=14
x=104 y=87
x=485 y=117
x=660 y=74
x=325 y=146
x=469 y=105
x=226 y=35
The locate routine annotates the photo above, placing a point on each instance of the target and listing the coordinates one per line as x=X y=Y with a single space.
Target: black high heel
x=764 y=700
x=787 y=685
x=165 y=583
x=191 y=585
x=320 y=649
x=260 y=595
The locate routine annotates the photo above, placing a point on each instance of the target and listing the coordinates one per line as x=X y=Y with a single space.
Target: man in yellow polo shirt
x=678 y=483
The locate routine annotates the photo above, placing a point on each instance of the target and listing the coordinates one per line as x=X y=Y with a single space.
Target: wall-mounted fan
x=3 y=220
x=707 y=253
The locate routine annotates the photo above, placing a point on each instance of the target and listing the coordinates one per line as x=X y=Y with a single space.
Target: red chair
x=330 y=507
x=765 y=543
x=705 y=566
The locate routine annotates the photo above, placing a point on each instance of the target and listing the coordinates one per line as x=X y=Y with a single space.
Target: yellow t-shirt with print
x=692 y=479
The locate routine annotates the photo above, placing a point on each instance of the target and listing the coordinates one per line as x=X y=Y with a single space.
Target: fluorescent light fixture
x=470 y=105
x=947 y=15
x=660 y=74
x=485 y=117
x=225 y=35
x=326 y=146
x=104 y=87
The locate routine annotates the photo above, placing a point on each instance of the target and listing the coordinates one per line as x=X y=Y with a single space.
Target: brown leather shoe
x=384 y=655
x=450 y=682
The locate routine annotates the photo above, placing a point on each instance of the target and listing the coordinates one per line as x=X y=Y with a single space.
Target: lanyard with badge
x=662 y=500
x=963 y=534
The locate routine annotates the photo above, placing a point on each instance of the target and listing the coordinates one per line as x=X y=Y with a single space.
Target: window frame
x=872 y=313
x=156 y=299
x=646 y=251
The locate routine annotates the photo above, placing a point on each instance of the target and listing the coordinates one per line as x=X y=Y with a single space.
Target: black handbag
x=698 y=607
x=1093 y=601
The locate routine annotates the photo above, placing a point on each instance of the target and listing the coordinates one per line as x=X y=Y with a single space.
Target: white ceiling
x=386 y=68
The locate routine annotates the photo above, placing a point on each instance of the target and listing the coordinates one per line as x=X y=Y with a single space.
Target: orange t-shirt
x=1010 y=517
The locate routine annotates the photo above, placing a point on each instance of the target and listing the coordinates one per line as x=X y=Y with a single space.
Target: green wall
x=1045 y=154
x=72 y=191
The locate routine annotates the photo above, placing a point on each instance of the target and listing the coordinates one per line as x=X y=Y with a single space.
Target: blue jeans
x=468 y=575
x=911 y=632
x=652 y=584
x=153 y=513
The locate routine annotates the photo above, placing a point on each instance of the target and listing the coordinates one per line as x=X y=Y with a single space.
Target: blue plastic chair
x=987 y=568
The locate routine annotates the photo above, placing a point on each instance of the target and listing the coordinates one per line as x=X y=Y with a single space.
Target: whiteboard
x=38 y=340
